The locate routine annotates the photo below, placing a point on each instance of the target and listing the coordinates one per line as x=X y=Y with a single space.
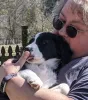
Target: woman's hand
x=10 y=67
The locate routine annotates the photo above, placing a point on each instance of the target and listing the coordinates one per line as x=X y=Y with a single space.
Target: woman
x=72 y=25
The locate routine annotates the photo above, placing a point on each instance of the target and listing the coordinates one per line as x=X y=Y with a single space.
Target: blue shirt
x=75 y=74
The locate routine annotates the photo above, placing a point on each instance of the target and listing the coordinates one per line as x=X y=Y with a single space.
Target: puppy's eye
x=32 y=40
x=45 y=42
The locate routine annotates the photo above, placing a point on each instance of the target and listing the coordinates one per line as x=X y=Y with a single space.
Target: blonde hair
x=82 y=7
x=59 y=5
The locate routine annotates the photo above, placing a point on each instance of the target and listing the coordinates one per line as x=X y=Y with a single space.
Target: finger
x=7 y=62
x=2 y=74
x=23 y=58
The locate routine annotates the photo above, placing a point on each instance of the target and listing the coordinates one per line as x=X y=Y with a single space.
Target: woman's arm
x=18 y=89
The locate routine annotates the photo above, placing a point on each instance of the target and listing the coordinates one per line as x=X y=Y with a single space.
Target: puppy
x=48 y=51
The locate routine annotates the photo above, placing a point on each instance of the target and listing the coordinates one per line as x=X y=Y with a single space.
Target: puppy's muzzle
x=30 y=49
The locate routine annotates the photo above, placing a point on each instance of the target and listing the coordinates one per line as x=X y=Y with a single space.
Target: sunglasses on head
x=71 y=31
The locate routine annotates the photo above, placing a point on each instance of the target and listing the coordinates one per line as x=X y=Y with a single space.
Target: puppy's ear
x=63 y=50
x=58 y=44
x=66 y=54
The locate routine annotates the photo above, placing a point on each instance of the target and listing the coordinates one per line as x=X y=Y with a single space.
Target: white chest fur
x=43 y=71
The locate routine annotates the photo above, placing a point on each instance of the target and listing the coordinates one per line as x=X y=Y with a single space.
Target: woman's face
x=78 y=44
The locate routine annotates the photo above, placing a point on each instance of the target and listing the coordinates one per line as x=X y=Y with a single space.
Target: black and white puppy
x=47 y=52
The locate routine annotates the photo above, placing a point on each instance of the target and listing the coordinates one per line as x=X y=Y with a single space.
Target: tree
x=49 y=5
x=36 y=14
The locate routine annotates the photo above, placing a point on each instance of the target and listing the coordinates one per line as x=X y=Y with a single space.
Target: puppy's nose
x=30 y=49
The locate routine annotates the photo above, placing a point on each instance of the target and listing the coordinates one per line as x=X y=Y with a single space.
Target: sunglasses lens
x=57 y=23
x=71 y=31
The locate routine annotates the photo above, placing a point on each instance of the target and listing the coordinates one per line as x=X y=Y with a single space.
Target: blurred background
x=22 y=19
x=36 y=14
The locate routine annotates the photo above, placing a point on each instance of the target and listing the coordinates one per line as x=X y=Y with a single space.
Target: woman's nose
x=62 y=32
x=55 y=32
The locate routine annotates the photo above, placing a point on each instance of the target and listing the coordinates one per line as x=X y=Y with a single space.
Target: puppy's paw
x=35 y=82
x=31 y=78
x=35 y=85
x=62 y=88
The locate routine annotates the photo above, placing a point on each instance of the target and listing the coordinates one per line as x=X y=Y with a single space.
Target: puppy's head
x=45 y=46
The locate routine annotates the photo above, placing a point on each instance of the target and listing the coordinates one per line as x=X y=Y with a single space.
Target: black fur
x=54 y=46
x=47 y=46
